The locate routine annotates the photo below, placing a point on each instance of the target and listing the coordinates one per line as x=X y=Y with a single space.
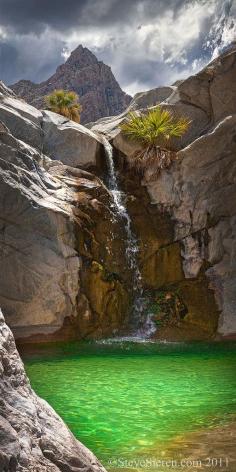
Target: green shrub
x=155 y=131
x=64 y=103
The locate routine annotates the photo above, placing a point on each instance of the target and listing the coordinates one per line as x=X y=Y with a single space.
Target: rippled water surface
x=124 y=399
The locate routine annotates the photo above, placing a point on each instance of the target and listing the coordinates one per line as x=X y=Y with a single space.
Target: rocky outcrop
x=110 y=125
x=56 y=227
x=32 y=436
x=100 y=94
x=56 y=136
x=5 y=90
x=197 y=195
x=70 y=142
x=150 y=98
x=205 y=99
x=22 y=120
x=183 y=308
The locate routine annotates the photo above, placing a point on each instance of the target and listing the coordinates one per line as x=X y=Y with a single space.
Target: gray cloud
x=147 y=43
x=33 y=15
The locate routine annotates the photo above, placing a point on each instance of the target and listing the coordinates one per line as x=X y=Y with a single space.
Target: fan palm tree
x=65 y=103
x=154 y=130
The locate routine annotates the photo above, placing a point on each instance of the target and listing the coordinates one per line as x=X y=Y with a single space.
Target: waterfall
x=142 y=327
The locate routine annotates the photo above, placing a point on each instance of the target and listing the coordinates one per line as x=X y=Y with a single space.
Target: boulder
x=205 y=98
x=125 y=145
x=32 y=436
x=150 y=98
x=51 y=133
x=69 y=142
x=212 y=90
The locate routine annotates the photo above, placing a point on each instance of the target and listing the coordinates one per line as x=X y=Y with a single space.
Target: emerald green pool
x=124 y=399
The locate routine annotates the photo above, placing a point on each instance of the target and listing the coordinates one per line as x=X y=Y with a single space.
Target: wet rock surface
x=56 y=222
x=161 y=262
x=212 y=448
x=197 y=197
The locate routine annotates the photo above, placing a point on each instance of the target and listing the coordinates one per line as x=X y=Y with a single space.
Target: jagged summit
x=81 y=57
x=100 y=93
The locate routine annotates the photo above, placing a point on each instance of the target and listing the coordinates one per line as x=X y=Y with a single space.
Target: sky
x=147 y=43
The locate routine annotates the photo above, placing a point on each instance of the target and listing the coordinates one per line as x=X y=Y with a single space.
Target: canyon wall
x=197 y=196
x=62 y=247
x=63 y=274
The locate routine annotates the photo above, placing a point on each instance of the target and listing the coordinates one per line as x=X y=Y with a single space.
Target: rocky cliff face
x=63 y=251
x=100 y=94
x=64 y=272
x=63 y=266
x=200 y=189
x=197 y=195
x=32 y=436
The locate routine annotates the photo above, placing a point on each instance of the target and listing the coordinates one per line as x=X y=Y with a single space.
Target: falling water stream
x=143 y=325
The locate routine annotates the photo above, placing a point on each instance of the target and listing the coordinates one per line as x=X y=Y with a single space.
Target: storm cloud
x=146 y=42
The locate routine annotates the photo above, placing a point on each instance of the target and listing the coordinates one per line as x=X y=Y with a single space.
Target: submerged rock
x=32 y=436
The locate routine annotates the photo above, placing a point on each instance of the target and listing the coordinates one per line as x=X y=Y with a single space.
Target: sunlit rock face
x=52 y=134
x=70 y=142
x=32 y=436
x=205 y=99
x=100 y=94
x=198 y=195
x=150 y=98
x=56 y=225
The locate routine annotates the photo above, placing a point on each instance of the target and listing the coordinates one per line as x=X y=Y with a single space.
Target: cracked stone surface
x=33 y=438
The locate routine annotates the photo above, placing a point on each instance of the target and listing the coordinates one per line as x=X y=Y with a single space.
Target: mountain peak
x=81 y=57
x=100 y=94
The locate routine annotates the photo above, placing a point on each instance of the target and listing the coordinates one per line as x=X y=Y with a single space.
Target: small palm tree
x=154 y=130
x=65 y=103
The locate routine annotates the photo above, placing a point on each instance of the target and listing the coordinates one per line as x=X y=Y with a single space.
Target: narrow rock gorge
x=66 y=269
x=63 y=250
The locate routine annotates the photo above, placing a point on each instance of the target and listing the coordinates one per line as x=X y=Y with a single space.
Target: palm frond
x=154 y=130
x=65 y=103
x=155 y=127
